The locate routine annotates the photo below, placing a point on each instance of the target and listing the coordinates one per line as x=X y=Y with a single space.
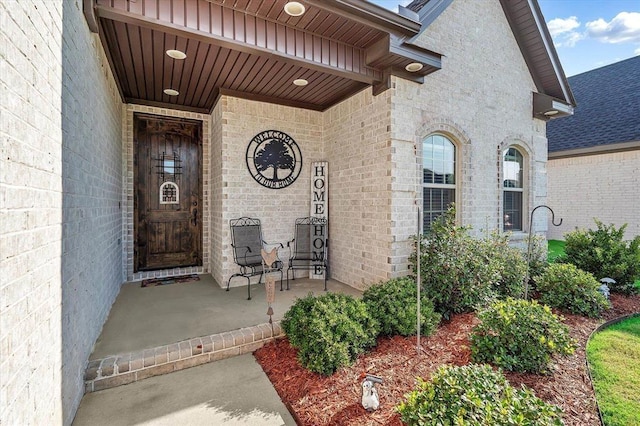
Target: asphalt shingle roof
x=607 y=111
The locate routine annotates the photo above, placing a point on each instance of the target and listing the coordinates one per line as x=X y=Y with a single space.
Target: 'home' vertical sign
x=319 y=209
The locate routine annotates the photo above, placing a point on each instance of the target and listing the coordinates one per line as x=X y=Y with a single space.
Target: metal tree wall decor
x=274 y=159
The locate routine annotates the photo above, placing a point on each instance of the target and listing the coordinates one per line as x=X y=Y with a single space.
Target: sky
x=587 y=34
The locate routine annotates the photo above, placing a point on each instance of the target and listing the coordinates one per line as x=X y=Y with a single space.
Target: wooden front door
x=168 y=192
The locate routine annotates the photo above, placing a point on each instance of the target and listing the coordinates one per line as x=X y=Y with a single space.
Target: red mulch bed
x=317 y=400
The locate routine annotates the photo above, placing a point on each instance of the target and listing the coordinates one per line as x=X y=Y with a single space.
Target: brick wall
x=61 y=190
x=359 y=151
x=92 y=175
x=481 y=98
x=215 y=190
x=241 y=194
x=31 y=209
x=603 y=186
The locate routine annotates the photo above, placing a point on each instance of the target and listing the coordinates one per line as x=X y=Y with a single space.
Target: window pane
x=512 y=209
x=438 y=160
x=436 y=202
x=439 y=165
x=512 y=168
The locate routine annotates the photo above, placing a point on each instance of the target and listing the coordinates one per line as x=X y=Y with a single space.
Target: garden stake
x=553 y=221
x=418 y=284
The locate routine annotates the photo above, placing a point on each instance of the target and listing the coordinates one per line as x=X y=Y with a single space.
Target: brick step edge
x=117 y=370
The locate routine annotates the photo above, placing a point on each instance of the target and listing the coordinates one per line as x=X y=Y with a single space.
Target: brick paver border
x=122 y=369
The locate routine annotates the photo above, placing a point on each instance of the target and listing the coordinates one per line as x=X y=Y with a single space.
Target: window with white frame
x=438 y=177
x=513 y=189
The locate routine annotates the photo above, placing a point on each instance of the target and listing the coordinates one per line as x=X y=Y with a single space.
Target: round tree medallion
x=274 y=159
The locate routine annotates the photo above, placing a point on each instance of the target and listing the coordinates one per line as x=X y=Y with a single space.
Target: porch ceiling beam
x=264 y=38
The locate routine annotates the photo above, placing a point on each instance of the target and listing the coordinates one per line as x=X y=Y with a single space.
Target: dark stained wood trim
x=167 y=105
x=90 y=14
x=370 y=14
x=365 y=75
x=269 y=99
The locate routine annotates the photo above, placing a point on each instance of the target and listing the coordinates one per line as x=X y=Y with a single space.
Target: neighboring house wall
x=481 y=99
x=241 y=194
x=31 y=210
x=602 y=186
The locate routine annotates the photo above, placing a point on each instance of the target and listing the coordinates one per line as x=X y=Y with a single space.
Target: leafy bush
x=474 y=395
x=457 y=273
x=566 y=287
x=393 y=304
x=461 y=273
x=329 y=331
x=519 y=335
x=539 y=258
x=604 y=253
x=512 y=265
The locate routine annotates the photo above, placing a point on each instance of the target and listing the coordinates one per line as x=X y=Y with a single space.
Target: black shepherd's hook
x=553 y=221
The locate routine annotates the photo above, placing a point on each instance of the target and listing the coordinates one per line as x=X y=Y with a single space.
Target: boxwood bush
x=474 y=395
x=394 y=305
x=329 y=331
x=605 y=253
x=570 y=289
x=519 y=335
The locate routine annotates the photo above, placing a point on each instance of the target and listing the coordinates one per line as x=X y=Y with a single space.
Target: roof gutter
x=595 y=150
x=371 y=14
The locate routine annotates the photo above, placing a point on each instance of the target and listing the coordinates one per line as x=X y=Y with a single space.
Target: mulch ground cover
x=316 y=400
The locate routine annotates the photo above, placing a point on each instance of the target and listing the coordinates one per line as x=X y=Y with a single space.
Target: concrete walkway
x=233 y=391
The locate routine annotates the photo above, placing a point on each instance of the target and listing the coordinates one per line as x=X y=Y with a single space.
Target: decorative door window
x=169 y=193
x=169 y=168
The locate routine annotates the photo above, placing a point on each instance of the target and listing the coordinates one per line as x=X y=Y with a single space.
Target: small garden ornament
x=604 y=288
x=370 y=400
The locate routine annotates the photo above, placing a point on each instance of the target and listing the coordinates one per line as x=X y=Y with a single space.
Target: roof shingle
x=607 y=111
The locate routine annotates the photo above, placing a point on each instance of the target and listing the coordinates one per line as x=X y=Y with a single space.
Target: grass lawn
x=555 y=248
x=614 y=355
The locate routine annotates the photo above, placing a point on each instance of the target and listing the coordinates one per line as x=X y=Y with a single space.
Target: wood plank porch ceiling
x=253 y=49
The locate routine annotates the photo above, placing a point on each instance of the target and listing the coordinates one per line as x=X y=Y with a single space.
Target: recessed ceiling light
x=550 y=112
x=413 y=67
x=294 y=8
x=171 y=92
x=300 y=82
x=176 y=54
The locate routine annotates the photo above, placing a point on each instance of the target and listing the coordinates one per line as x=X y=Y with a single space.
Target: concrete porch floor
x=164 y=329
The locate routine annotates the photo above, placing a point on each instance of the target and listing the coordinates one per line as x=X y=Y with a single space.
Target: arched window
x=513 y=189
x=438 y=176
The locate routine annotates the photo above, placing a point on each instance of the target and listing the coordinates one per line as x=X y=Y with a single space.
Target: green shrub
x=393 y=304
x=570 y=289
x=604 y=253
x=512 y=265
x=519 y=335
x=474 y=395
x=329 y=331
x=457 y=272
x=539 y=258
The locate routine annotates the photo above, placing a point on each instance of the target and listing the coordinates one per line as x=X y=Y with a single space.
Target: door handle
x=194 y=217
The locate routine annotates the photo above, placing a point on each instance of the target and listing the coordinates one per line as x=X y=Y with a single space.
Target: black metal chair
x=247 y=244
x=310 y=247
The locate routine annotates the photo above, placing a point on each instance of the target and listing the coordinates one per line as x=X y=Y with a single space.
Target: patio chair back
x=246 y=241
x=309 y=247
x=247 y=245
